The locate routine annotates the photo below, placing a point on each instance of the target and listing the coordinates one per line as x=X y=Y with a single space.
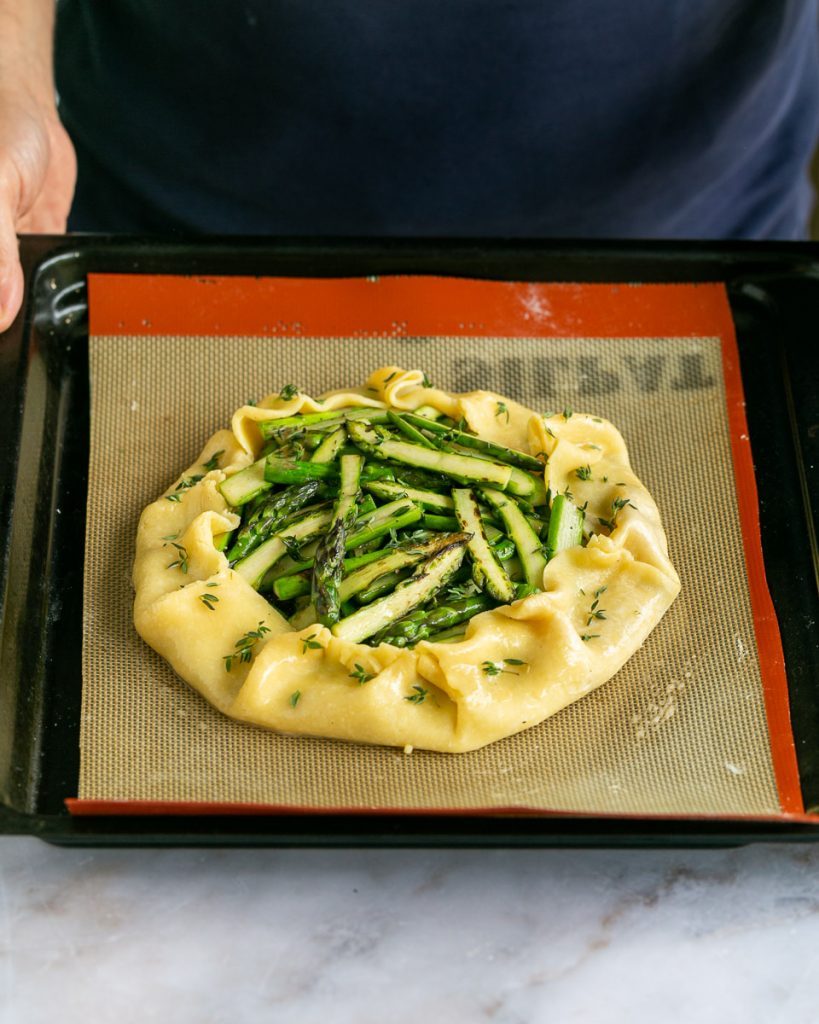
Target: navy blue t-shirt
x=572 y=118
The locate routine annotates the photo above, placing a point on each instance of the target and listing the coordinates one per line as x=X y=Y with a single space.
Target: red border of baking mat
x=137 y=304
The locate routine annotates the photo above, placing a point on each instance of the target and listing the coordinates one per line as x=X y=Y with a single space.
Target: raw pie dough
x=466 y=708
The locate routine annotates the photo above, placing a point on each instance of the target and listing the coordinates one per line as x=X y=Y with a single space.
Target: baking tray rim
x=765 y=260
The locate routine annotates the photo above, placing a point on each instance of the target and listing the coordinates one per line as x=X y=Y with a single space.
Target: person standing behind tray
x=567 y=118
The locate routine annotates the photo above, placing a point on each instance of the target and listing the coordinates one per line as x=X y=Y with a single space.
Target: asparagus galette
x=397 y=564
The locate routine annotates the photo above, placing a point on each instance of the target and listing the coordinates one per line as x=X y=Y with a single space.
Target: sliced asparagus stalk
x=258 y=562
x=448 y=636
x=290 y=471
x=288 y=587
x=329 y=556
x=244 y=486
x=497 y=451
x=461 y=467
x=330 y=446
x=321 y=420
x=379 y=566
x=408 y=430
x=430 y=577
x=565 y=526
x=486 y=571
x=425 y=622
x=391 y=489
x=527 y=542
x=270 y=515
x=428 y=412
x=383 y=585
x=376 y=471
x=395 y=516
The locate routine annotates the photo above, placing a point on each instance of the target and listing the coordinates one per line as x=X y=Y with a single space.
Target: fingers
x=11 y=273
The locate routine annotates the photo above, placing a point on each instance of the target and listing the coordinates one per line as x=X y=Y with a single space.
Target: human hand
x=38 y=170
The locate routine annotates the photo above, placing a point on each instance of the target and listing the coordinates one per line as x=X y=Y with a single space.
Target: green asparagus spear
x=461 y=467
x=527 y=542
x=269 y=516
x=330 y=447
x=486 y=571
x=330 y=552
x=378 y=565
x=429 y=578
x=497 y=451
x=290 y=471
x=424 y=622
x=321 y=420
x=244 y=486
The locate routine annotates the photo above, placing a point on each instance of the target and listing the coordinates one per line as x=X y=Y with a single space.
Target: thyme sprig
x=288 y=391
x=361 y=674
x=616 y=506
x=595 y=612
x=213 y=462
x=419 y=696
x=495 y=668
x=181 y=561
x=501 y=409
x=244 y=646
x=295 y=697
x=311 y=644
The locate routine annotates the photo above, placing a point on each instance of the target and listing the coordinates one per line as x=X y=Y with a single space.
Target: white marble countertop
x=305 y=936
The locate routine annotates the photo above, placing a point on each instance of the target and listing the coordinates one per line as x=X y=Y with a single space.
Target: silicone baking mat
x=696 y=723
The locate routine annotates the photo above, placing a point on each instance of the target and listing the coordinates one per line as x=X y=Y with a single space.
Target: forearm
x=27 y=34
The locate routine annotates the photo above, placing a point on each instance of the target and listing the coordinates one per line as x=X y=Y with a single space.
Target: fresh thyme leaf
x=583 y=472
x=288 y=391
x=173 y=497
x=251 y=401
x=361 y=674
x=171 y=536
x=585 y=637
x=388 y=379
x=211 y=584
x=295 y=697
x=493 y=668
x=311 y=644
x=501 y=408
x=188 y=481
x=419 y=696
x=426 y=382
x=181 y=559
x=213 y=461
x=209 y=600
x=568 y=413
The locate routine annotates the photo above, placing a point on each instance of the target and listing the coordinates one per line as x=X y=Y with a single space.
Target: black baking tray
x=44 y=431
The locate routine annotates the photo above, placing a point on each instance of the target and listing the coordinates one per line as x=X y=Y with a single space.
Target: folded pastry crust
x=566 y=646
